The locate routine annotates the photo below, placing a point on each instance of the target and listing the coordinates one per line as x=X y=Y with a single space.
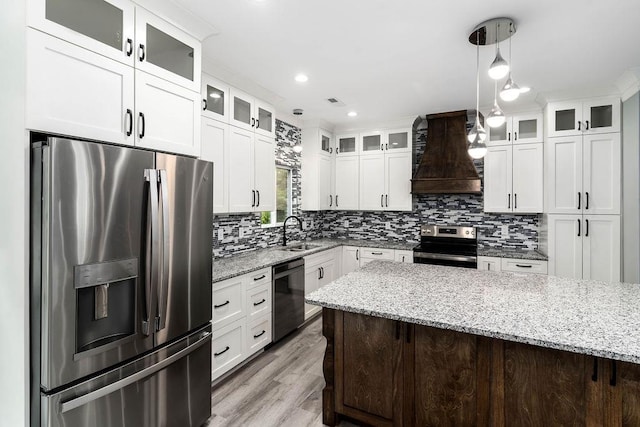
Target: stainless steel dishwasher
x=288 y=297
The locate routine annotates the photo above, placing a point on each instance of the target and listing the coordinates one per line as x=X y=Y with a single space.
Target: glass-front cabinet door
x=215 y=99
x=326 y=142
x=601 y=115
x=346 y=144
x=166 y=51
x=265 y=122
x=499 y=135
x=526 y=128
x=102 y=26
x=598 y=115
x=241 y=109
x=371 y=143
x=397 y=140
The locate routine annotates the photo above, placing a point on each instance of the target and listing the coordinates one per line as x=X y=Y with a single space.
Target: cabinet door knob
x=257 y=123
x=587 y=125
x=382 y=200
x=515 y=201
x=129 y=47
x=515 y=136
x=578 y=228
x=258 y=193
x=586 y=202
x=579 y=125
x=204 y=105
x=330 y=200
x=579 y=200
x=509 y=201
x=386 y=200
x=586 y=228
x=253 y=122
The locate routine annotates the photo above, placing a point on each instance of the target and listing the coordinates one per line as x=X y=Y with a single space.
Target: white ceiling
x=400 y=58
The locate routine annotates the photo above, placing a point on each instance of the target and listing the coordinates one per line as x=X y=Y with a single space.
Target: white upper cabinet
x=166 y=51
x=346 y=183
x=250 y=113
x=215 y=99
x=517 y=129
x=214 y=148
x=397 y=173
x=584 y=174
x=398 y=140
x=513 y=178
x=347 y=144
x=265 y=173
x=102 y=26
x=600 y=115
x=73 y=91
x=372 y=182
x=371 y=143
x=317 y=163
x=167 y=116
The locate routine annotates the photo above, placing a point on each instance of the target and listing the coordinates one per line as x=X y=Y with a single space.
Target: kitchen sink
x=300 y=247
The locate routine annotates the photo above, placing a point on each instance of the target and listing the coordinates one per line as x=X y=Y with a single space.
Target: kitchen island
x=415 y=344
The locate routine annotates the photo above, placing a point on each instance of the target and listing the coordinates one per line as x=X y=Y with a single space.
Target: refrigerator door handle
x=120 y=384
x=152 y=241
x=163 y=291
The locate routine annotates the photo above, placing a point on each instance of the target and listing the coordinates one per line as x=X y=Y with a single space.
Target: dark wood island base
x=383 y=372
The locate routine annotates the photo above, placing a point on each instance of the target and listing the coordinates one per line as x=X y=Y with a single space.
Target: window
x=283 y=199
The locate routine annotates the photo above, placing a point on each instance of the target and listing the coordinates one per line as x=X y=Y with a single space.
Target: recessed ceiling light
x=524 y=89
x=352 y=114
x=301 y=78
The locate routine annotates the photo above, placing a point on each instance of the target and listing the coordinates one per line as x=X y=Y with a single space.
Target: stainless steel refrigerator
x=120 y=286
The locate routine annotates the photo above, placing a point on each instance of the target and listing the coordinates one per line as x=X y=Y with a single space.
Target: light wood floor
x=281 y=387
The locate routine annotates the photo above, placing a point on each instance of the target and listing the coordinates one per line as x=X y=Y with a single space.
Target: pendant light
x=510 y=91
x=499 y=67
x=477 y=148
x=496 y=117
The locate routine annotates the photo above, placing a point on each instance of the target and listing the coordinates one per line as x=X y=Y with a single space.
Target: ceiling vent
x=336 y=102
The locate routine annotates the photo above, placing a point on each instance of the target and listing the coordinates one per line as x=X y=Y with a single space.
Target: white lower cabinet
x=584 y=246
x=403 y=256
x=318 y=271
x=489 y=263
x=241 y=312
x=350 y=259
x=524 y=266
x=258 y=334
x=228 y=347
x=374 y=254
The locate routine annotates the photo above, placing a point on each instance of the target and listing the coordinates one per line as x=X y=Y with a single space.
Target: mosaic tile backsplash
x=494 y=230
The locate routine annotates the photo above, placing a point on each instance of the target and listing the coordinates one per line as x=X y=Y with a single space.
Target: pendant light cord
x=477 y=77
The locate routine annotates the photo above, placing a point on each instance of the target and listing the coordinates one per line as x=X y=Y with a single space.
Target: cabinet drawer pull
x=141 y=55
x=357 y=254
x=382 y=200
x=376 y=253
x=221 y=352
x=330 y=200
x=586 y=228
x=509 y=201
x=578 y=228
x=258 y=202
x=579 y=125
x=524 y=265
x=253 y=202
x=222 y=305
x=515 y=136
x=255 y=279
x=260 y=334
x=386 y=200
x=586 y=122
x=129 y=47
x=255 y=304
x=336 y=200
x=515 y=201
x=330 y=150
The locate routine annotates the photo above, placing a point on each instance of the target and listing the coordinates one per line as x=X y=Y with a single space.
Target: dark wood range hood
x=446 y=166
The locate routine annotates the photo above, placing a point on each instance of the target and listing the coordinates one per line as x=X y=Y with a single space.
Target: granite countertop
x=512 y=253
x=588 y=317
x=225 y=268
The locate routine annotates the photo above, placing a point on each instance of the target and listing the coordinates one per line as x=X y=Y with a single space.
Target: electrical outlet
x=388 y=225
x=220 y=234
x=505 y=231
x=346 y=223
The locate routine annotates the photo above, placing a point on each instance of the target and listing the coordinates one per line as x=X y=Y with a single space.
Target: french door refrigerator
x=120 y=286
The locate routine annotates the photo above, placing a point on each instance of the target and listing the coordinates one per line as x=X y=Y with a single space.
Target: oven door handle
x=447 y=257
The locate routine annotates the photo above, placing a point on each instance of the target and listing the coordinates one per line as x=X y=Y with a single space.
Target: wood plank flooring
x=281 y=387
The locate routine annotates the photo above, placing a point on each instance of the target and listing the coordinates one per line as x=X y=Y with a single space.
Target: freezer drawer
x=163 y=389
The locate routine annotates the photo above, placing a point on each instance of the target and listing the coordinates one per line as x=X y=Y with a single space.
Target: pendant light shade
x=510 y=91
x=499 y=67
x=297 y=148
x=477 y=149
x=477 y=131
x=496 y=117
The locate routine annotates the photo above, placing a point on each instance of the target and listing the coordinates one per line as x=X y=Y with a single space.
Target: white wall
x=631 y=189
x=14 y=214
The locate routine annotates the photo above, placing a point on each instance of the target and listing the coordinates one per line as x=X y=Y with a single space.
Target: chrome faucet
x=284 y=228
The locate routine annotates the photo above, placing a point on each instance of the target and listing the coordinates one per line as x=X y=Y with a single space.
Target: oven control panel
x=448 y=231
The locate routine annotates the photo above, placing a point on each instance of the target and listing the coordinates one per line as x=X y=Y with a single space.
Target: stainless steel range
x=447 y=245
